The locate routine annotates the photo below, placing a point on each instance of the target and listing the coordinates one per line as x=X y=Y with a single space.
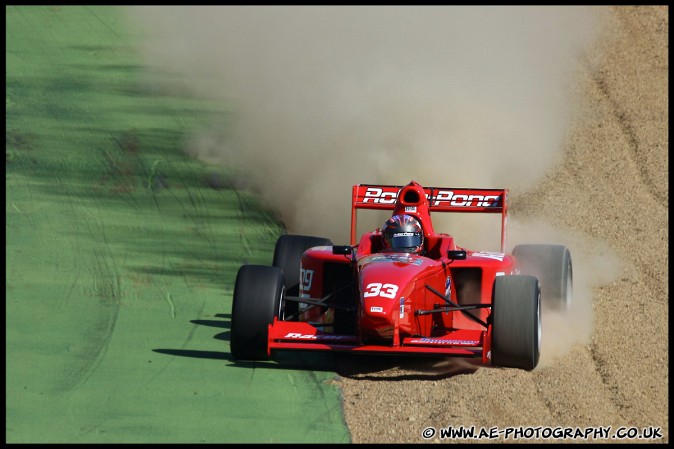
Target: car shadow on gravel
x=352 y=366
x=388 y=368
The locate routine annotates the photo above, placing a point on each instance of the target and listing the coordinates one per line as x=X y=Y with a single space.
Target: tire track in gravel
x=619 y=116
x=625 y=122
x=642 y=119
x=633 y=95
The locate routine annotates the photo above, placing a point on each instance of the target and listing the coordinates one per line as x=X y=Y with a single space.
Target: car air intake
x=411 y=197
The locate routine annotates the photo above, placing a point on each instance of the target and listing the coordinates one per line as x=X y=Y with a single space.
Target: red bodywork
x=396 y=299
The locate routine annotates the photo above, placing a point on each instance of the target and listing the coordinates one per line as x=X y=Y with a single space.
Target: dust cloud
x=324 y=97
x=594 y=264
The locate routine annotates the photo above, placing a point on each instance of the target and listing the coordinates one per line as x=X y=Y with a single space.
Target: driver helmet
x=403 y=233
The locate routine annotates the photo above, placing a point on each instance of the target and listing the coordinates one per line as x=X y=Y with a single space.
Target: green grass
x=121 y=255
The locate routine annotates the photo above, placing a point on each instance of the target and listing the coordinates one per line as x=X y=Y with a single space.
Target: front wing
x=302 y=336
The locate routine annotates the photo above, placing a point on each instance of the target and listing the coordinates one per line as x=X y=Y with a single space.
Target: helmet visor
x=405 y=240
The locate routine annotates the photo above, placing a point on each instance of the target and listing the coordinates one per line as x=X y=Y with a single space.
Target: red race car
x=402 y=289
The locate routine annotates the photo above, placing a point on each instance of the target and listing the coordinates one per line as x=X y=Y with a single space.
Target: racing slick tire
x=551 y=264
x=287 y=256
x=258 y=292
x=516 y=322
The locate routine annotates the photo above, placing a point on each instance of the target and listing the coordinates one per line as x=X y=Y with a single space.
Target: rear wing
x=440 y=199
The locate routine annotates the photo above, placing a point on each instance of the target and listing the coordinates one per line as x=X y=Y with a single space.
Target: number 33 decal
x=377 y=289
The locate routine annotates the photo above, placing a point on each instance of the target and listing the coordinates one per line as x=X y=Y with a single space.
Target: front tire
x=258 y=293
x=516 y=322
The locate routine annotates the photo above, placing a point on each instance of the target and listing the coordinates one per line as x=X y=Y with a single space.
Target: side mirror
x=342 y=249
x=456 y=254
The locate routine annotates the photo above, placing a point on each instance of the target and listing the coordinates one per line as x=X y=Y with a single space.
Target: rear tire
x=287 y=256
x=516 y=322
x=551 y=265
x=256 y=302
